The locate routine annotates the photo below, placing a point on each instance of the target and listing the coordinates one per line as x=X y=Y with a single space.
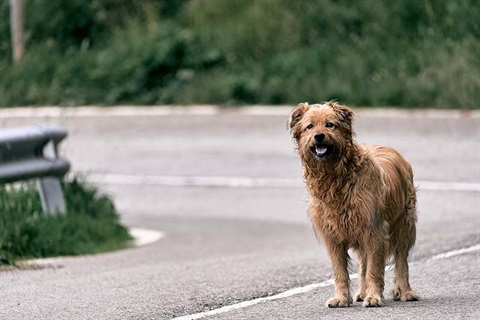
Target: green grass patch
x=91 y=224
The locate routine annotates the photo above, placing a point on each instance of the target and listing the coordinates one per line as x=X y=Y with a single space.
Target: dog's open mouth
x=321 y=150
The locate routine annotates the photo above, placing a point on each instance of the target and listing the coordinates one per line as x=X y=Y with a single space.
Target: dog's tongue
x=321 y=150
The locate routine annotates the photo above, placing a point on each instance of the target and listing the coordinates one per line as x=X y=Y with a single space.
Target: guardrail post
x=50 y=188
x=51 y=194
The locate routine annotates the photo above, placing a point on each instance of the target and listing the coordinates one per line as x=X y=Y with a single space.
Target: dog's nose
x=319 y=137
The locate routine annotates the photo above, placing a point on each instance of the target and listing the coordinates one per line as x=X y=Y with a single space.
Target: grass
x=91 y=224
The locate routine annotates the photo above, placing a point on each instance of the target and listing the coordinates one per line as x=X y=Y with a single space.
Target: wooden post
x=16 y=26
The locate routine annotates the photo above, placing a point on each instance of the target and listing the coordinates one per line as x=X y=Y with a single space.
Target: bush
x=149 y=69
x=91 y=224
x=405 y=53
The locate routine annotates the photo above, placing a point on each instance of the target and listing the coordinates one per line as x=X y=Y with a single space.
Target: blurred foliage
x=91 y=224
x=420 y=53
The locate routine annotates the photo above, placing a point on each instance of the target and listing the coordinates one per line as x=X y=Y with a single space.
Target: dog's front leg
x=339 y=256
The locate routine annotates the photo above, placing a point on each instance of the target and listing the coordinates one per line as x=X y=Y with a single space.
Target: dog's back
x=396 y=172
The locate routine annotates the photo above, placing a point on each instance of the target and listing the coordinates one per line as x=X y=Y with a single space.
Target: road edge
x=213 y=110
x=141 y=237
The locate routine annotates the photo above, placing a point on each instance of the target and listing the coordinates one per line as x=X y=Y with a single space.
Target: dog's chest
x=340 y=222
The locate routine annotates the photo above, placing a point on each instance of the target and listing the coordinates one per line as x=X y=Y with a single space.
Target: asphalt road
x=226 y=189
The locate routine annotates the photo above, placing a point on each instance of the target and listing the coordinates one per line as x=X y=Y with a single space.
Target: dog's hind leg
x=375 y=283
x=402 y=290
x=376 y=250
x=405 y=239
x=339 y=256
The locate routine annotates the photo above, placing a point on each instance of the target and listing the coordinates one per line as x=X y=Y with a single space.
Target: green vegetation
x=91 y=224
x=411 y=53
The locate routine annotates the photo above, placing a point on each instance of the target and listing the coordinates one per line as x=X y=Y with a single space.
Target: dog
x=361 y=197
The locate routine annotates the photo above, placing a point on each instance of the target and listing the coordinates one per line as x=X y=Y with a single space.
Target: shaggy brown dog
x=361 y=197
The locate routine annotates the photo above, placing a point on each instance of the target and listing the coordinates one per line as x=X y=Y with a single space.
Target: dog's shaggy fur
x=361 y=197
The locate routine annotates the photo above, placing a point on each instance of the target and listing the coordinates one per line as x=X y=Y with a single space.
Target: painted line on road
x=247 y=182
x=455 y=253
x=211 y=110
x=194 y=181
x=310 y=287
x=245 y=304
x=448 y=186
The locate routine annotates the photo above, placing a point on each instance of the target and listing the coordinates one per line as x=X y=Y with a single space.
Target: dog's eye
x=310 y=126
x=329 y=125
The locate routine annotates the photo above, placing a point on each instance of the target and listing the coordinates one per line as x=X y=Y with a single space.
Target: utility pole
x=16 y=27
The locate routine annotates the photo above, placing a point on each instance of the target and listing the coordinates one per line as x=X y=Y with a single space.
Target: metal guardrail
x=32 y=152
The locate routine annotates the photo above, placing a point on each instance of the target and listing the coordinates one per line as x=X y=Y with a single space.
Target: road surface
x=226 y=189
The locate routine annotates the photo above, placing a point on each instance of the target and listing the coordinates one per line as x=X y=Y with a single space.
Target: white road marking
x=455 y=252
x=210 y=110
x=193 y=181
x=448 y=186
x=308 y=288
x=249 y=303
x=247 y=182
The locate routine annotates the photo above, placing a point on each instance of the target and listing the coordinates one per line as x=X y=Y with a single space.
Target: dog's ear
x=345 y=113
x=297 y=114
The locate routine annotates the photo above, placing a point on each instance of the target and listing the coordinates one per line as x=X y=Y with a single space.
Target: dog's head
x=322 y=131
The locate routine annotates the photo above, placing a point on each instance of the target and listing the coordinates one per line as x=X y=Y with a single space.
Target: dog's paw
x=339 y=302
x=408 y=295
x=373 y=301
x=360 y=296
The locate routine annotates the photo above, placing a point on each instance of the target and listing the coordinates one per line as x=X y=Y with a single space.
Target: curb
x=145 y=237
x=214 y=110
x=142 y=237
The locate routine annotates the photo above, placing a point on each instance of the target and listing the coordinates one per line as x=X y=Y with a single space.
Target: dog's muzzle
x=321 y=149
